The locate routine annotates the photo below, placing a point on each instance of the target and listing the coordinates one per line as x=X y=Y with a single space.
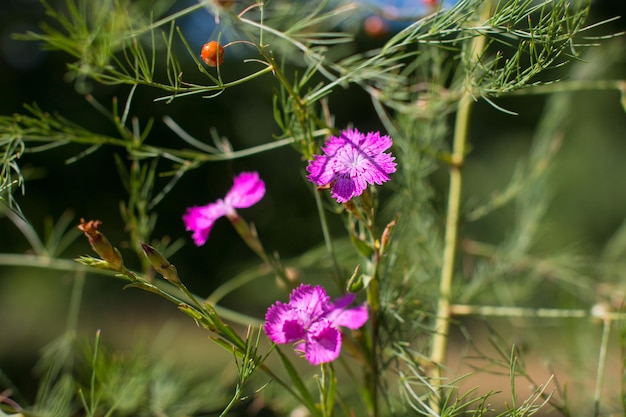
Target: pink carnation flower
x=350 y=162
x=247 y=190
x=311 y=321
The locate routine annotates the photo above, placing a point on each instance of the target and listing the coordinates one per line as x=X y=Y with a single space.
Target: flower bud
x=212 y=54
x=291 y=279
x=386 y=236
x=160 y=263
x=101 y=245
x=355 y=282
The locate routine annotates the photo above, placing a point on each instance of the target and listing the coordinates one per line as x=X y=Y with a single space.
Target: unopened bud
x=294 y=275
x=160 y=263
x=100 y=244
x=355 y=282
x=291 y=278
x=386 y=236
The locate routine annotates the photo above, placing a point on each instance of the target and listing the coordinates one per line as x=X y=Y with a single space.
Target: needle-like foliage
x=400 y=195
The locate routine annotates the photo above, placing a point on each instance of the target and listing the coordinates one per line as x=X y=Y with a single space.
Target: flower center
x=351 y=161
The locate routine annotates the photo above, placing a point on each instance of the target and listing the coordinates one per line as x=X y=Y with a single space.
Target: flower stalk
x=251 y=239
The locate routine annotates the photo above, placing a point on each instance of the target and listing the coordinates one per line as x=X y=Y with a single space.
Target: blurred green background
x=588 y=205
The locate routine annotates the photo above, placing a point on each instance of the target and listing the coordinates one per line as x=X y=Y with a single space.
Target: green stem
x=231 y=285
x=327 y=237
x=461 y=133
x=35 y=261
x=183 y=288
x=169 y=153
x=604 y=345
x=373 y=300
x=442 y=322
x=251 y=239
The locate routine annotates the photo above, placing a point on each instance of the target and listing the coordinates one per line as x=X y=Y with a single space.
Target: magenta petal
x=320 y=170
x=352 y=318
x=200 y=220
x=293 y=331
x=310 y=302
x=335 y=144
x=281 y=324
x=323 y=343
x=248 y=189
x=346 y=188
x=374 y=143
x=197 y=223
x=343 y=301
x=300 y=347
x=378 y=169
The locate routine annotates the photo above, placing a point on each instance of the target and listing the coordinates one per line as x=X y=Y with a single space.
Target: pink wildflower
x=312 y=321
x=247 y=190
x=350 y=162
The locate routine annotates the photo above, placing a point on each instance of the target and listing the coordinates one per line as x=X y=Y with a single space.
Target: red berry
x=212 y=54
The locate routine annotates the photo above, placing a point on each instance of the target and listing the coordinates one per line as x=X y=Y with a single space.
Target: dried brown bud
x=100 y=244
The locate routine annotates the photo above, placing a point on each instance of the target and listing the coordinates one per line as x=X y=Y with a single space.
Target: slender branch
x=143 y=149
x=233 y=284
x=596 y=313
x=569 y=86
x=35 y=261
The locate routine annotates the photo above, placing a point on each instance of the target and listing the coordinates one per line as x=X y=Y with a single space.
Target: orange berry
x=375 y=27
x=212 y=54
